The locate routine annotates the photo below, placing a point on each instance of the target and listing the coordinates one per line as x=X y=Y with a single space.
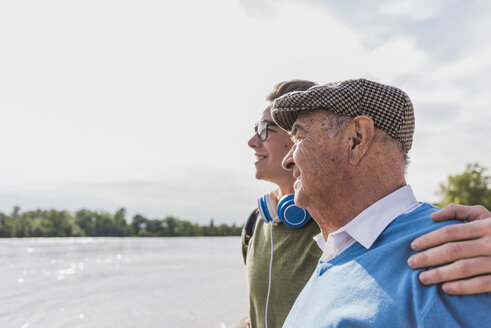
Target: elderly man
x=349 y=155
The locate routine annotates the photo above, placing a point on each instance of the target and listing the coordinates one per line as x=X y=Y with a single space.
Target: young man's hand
x=464 y=249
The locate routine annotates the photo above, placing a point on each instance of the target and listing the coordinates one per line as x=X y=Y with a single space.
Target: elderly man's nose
x=289 y=165
x=288 y=161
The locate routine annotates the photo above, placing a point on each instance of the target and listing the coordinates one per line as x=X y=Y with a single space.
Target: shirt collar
x=367 y=226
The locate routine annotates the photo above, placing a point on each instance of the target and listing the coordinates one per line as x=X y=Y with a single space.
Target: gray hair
x=337 y=122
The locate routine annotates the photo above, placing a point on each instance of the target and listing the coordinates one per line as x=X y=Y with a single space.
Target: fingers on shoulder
x=438 y=237
x=455 y=232
x=468 y=230
x=476 y=285
x=486 y=225
x=464 y=268
x=482 y=212
x=462 y=212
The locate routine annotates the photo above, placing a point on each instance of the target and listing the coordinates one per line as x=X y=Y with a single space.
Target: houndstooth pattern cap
x=389 y=107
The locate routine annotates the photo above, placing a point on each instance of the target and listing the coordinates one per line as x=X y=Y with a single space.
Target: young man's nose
x=254 y=142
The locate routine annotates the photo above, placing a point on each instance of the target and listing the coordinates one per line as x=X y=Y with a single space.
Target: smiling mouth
x=260 y=157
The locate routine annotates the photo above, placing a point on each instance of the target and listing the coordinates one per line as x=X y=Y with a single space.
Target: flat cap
x=389 y=107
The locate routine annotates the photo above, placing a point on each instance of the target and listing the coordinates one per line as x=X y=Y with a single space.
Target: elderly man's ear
x=361 y=132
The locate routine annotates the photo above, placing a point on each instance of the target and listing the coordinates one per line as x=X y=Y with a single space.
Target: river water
x=121 y=282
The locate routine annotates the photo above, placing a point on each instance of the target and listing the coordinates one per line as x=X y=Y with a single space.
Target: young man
x=279 y=259
x=351 y=140
x=276 y=278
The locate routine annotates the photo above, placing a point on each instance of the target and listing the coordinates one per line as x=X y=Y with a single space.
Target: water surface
x=121 y=282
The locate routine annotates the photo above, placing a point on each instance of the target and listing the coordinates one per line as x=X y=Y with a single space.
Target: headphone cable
x=270 y=269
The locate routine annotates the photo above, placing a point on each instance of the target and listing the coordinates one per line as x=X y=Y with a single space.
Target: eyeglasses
x=262 y=129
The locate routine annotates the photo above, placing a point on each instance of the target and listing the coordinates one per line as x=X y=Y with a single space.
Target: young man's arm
x=465 y=249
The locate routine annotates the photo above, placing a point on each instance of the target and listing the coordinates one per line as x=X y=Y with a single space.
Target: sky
x=148 y=105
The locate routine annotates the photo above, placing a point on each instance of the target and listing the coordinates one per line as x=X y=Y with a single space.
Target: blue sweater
x=376 y=287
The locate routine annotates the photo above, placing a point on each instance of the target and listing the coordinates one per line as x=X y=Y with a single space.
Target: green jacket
x=295 y=257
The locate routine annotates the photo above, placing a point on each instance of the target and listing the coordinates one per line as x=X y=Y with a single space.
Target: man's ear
x=362 y=132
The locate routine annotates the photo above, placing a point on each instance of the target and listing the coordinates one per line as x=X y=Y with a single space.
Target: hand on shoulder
x=462 y=251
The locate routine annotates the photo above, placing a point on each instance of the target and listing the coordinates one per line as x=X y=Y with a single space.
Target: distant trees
x=469 y=188
x=38 y=223
x=472 y=187
x=53 y=223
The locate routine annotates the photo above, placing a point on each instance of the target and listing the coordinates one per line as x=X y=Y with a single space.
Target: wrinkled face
x=270 y=152
x=315 y=159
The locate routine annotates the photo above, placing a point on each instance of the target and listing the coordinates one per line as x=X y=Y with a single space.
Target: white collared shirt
x=369 y=224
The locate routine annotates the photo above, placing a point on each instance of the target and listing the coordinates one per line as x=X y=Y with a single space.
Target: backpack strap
x=249 y=226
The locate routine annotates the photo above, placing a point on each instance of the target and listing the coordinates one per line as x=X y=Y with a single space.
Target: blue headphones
x=286 y=210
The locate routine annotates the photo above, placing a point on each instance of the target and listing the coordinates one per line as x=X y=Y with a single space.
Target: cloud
x=443 y=28
x=413 y=9
x=150 y=106
x=398 y=57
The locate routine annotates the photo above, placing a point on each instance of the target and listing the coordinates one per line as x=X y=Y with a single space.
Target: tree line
x=85 y=223
x=472 y=187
